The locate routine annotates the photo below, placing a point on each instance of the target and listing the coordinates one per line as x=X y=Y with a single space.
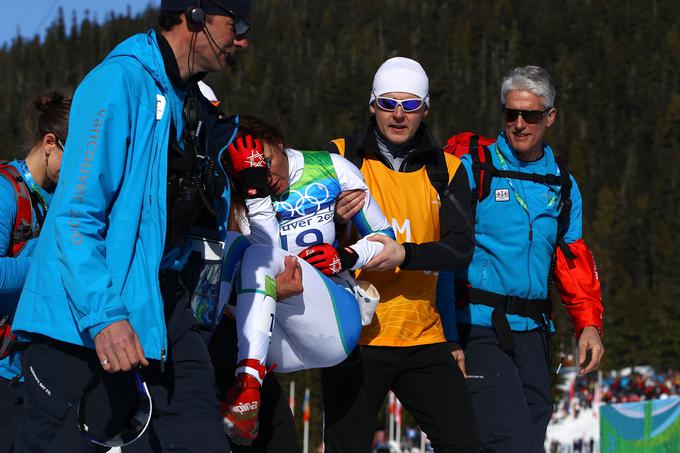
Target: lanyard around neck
x=32 y=185
x=518 y=197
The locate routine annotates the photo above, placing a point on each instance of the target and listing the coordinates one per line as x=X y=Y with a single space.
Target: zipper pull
x=531 y=231
x=162 y=360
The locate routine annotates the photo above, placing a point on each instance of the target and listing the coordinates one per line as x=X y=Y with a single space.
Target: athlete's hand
x=247 y=160
x=118 y=347
x=348 y=204
x=289 y=282
x=328 y=259
x=391 y=256
x=589 y=341
x=458 y=355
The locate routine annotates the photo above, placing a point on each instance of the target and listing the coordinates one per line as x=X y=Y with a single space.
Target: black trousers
x=11 y=407
x=510 y=391
x=186 y=410
x=55 y=375
x=425 y=379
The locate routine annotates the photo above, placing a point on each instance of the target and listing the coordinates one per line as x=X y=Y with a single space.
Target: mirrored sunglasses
x=530 y=116
x=131 y=429
x=390 y=104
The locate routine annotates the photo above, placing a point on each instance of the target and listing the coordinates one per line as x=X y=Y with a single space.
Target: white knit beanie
x=402 y=75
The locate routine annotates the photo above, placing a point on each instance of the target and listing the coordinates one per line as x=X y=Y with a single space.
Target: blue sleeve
x=13 y=270
x=575 y=230
x=446 y=305
x=92 y=171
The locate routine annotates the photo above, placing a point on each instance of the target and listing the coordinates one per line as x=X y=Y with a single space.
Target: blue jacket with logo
x=513 y=246
x=13 y=270
x=100 y=251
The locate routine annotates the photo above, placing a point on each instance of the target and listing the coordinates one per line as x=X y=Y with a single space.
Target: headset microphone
x=231 y=61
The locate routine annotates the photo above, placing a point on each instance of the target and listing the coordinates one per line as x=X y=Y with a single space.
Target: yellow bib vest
x=406 y=314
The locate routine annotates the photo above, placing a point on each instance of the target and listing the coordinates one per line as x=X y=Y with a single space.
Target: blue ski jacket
x=515 y=237
x=98 y=257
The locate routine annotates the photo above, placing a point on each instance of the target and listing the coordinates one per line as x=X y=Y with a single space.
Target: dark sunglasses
x=131 y=430
x=390 y=104
x=241 y=24
x=530 y=116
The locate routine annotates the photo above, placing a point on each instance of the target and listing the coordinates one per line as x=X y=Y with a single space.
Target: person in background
x=425 y=196
x=26 y=188
x=528 y=212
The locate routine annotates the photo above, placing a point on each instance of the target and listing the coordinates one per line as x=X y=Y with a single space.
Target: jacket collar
x=425 y=146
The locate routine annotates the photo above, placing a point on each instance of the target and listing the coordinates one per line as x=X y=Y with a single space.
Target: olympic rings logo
x=315 y=194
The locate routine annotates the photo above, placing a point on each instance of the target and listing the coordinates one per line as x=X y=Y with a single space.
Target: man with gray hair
x=527 y=220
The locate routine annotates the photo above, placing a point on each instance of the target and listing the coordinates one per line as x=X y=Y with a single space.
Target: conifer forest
x=310 y=65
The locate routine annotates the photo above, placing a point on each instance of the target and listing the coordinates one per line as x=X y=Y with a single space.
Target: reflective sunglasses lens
x=411 y=105
x=387 y=103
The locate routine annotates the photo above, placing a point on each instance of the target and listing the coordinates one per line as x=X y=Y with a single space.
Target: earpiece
x=196 y=15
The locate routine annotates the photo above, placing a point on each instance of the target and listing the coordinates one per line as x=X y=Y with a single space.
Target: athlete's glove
x=252 y=172
x=328 y=259
x=240 y=409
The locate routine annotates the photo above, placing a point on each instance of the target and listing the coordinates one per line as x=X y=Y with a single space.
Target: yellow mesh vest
x=406 y=315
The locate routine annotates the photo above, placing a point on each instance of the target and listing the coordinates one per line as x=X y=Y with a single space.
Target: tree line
x=310 y=65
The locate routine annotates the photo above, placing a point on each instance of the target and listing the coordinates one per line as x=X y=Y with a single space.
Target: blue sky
x=32 y=17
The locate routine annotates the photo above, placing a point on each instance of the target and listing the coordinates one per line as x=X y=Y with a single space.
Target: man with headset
x=107 y=290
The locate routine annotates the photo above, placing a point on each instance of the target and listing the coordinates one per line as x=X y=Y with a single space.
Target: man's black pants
x=186 y=414
x=427 y=381
x=510 y=390
x=11 y=407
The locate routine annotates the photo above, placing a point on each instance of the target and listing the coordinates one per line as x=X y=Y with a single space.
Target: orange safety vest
x=406 y=314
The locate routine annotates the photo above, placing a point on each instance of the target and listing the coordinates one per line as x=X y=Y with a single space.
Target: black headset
x=196 y=15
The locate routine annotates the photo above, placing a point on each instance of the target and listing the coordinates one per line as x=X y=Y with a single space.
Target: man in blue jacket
x=503 y=299
x=106 y=289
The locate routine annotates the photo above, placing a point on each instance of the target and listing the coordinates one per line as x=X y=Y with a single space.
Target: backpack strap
x=22 y=230
x=565 y=212
x=483 y=169
x=438 y=173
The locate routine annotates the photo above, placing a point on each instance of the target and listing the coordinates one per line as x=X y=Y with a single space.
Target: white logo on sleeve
x=160 y=106
x=502 y=194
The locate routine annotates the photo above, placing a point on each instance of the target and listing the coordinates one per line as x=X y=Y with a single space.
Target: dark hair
x=52 y=117
x=169 y=19
x=249 y=125
x=268 y=133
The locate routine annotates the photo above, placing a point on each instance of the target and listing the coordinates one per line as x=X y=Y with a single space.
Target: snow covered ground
x=565 y=430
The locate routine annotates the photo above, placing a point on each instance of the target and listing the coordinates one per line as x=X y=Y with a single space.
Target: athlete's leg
x=532 y=359
x=497 y=394
x=317 y=328
x=314 y=329
x=432 y=388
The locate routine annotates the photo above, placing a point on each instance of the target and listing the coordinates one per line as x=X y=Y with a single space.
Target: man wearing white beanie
x=406 y=348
